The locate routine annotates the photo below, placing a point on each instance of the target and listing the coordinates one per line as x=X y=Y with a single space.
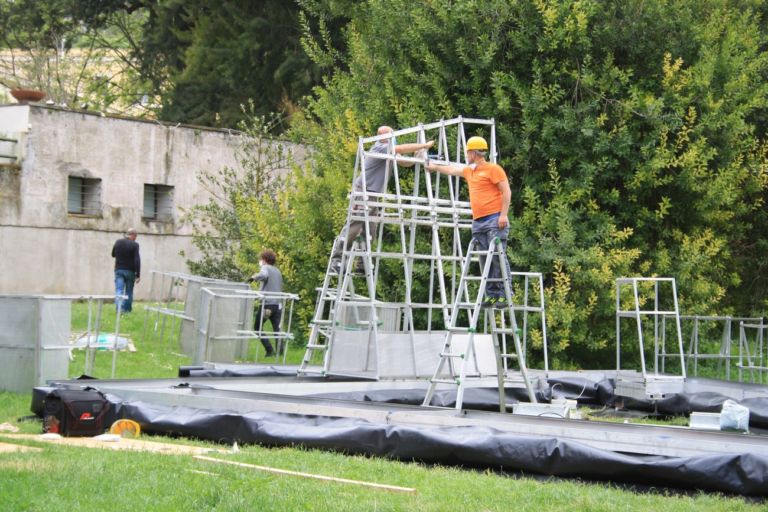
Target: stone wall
x=45 y=249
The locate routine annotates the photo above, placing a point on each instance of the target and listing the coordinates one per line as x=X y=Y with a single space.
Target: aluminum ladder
x=330 y=301
x=498 y=329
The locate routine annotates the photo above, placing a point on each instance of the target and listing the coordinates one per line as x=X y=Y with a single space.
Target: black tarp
x=471 y=446
x=585 y=391
x=745 y=473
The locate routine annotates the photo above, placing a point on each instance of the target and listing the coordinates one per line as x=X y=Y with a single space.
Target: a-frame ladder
x=450 y=357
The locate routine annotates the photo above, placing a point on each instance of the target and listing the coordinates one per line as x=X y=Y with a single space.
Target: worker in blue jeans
x=127 y=269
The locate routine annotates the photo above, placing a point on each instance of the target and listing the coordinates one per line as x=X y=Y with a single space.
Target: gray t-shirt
x=271 y=281
x=375 y=170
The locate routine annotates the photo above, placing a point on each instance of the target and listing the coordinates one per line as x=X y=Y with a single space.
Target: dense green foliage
x=208 y=58
x=633 y=133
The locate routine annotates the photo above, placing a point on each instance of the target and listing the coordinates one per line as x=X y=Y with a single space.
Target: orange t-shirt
x=484 y=193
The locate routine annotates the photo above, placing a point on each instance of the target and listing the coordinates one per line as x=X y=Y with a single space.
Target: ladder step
x=509 y=356
x=479 y=278
x=455 y=382
x=508 y=331
x=320 y=322
x=317 y=347
x=450 y=354
x=458 y=329
x=307 y=370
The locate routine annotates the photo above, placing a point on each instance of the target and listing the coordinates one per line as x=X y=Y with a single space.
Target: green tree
x=221 y=227
x=78 y=53
x=208 y=58
x=633 y=133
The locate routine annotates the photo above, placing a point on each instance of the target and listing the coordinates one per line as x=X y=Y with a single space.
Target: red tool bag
x=75 y=413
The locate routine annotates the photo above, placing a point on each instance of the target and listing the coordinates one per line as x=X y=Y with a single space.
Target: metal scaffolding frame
x=225 y=324
x=753 y=357
x=175 y=298
x=36 y=341
x=356 y=332
x=649 y=295
x=728 y=354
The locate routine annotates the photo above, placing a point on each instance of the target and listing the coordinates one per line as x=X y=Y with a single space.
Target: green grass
x=155 y=356
x=62 y=477
x=87 y=479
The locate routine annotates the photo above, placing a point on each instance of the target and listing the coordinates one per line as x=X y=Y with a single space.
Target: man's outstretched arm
x=449 y=169
x=412 y=148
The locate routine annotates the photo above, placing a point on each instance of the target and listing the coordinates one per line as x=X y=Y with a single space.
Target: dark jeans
x=485 y=230
x=273 y=313
x=352 y=230
x=124 y=280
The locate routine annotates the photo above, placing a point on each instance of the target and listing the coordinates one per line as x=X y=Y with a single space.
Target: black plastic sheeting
x=744 y=473
x=585 y=391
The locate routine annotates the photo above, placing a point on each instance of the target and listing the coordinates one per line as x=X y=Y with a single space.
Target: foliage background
x=633 y=133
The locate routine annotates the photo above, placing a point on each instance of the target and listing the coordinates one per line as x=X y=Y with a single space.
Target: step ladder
x=337 y=288
x=499 y=330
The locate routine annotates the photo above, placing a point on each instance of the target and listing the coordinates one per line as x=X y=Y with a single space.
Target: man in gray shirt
x=372 y=179
x=271 y=309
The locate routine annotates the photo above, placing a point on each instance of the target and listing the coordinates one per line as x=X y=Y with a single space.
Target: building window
x=158 y=202
x=84 y=196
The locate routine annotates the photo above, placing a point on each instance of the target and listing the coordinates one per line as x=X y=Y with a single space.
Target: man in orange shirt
x=489 y=196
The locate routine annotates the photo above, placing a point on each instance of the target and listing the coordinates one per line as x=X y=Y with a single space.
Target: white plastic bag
x=734 y=417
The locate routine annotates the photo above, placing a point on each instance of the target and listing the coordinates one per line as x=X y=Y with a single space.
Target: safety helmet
x=477 y=144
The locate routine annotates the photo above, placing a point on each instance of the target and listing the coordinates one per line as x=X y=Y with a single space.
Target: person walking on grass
x=127 y=269
x=489 y=197
x=271 y=309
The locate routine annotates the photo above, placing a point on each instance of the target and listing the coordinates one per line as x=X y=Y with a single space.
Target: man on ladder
x=373 y=179
x=489 y=197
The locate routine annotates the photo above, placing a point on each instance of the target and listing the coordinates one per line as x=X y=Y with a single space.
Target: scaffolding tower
x=413 y=238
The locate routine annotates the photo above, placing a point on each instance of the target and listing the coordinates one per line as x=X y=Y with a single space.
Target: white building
x=72 y=182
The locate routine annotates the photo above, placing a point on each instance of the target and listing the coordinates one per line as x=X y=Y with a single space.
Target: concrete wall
x=44 y=249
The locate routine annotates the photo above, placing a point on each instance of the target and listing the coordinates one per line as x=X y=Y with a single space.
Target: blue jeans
x=124 y=280
x=484 y=231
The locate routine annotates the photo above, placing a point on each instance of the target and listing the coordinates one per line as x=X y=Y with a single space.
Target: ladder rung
x=307 y=370
x=320 y=322
x=479 y=278
x=455 y=382
x=317 y=347
x=450 y=354
x=507 y=331
x=458 y=329
x=509 y=356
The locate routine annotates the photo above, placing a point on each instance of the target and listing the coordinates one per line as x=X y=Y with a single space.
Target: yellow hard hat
x=477 y=144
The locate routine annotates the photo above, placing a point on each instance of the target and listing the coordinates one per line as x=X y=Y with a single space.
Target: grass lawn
x=82 y=479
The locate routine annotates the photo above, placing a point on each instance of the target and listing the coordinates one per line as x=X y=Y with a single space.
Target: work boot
x=489 y=302
x=501 y=303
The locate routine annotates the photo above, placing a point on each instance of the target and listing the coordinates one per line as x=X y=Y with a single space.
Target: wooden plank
x=16 y=448
x=382 y=487
x=121 y=444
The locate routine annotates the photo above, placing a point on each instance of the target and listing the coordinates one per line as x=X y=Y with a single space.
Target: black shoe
x=336 y=266
x=500 y=303
x=271 y=353
x=489 y=302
